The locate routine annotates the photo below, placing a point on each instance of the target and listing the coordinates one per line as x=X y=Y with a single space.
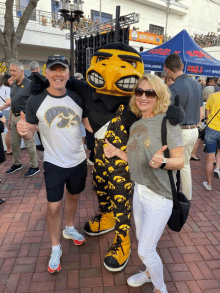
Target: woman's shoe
x=138 y=279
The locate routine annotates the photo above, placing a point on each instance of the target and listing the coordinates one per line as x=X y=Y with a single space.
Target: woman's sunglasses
x=151 y=94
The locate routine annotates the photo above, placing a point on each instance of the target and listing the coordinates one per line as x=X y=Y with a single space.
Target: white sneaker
x=207 y=187
x=78 y=239
x=216 y=173
x=138 y=279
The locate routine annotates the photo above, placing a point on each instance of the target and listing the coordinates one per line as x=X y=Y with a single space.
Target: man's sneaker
x=54 y=262
x=100 y=224
x=118 y=255
x=138 y=279
x=207 y=187
x=31 y=172
x=216 y=173
x=13 y=169
x=77 y=238
x=89 y=162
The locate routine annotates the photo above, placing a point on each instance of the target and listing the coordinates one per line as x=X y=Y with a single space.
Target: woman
x=152 y=201
x=168 y=81
x=5 y=102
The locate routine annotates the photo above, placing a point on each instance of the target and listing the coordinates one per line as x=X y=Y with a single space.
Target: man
x=190 y=93
x=163 y=75
x=58 y=115
x=20 y=92
x=34 y=68
x=212 y=139
x=211 y=87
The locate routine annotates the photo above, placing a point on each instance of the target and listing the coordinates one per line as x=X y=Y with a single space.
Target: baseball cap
x=57 y=59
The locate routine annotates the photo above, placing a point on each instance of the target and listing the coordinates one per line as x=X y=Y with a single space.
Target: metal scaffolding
x=86 y=30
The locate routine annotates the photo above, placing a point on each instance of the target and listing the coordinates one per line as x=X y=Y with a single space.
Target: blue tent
x=195 y=59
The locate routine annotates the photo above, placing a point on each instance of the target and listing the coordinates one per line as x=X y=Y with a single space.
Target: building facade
x=45 y=35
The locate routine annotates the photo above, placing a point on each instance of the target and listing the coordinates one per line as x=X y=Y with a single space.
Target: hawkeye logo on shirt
x=66 y=115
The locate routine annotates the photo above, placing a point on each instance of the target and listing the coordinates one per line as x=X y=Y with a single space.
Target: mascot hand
x=38 y=84
x=175 y=113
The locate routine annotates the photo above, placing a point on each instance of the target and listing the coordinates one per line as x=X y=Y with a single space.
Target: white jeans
x=151 y=214
x=190 y=137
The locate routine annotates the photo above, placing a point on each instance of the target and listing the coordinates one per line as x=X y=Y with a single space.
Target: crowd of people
x=209 y=40
x=131 y=156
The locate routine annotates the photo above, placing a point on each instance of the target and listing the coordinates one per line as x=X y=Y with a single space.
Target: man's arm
x=85 y=122
x=7 y=104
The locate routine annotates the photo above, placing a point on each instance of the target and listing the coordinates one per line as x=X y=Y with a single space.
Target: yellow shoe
x=100 y=224
x=118 y=255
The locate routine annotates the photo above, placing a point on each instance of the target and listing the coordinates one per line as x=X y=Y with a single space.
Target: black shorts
x=56 y=177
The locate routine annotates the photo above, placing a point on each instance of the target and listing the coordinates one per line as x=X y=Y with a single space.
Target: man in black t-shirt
x=58 y=114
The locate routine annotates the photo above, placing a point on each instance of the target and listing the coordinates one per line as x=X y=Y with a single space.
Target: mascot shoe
x=100 y=224
x=118 y=255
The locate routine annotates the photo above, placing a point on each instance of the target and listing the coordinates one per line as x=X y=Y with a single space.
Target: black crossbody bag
x=181 y=204
x=203 y=130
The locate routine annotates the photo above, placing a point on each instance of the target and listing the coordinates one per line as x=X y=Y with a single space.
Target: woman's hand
x=110 y=150
x=3 y=119
x=158 y=157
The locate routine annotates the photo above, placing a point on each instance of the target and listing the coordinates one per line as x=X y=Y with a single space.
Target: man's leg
x=54 y=221
x=189 y=139
x=74 y=185
x=15 y=141
x=32 y=151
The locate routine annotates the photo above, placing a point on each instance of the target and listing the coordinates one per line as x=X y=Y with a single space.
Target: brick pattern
x=191 y=258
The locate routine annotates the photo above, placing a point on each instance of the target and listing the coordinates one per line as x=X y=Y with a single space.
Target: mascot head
x=115 y=69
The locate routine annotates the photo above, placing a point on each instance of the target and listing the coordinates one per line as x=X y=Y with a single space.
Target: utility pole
x=168 y=12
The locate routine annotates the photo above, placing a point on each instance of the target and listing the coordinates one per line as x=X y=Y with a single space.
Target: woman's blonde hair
x=162 y=91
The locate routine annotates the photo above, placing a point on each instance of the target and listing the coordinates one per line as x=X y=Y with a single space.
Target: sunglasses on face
x=151 y=94
x=53 y=58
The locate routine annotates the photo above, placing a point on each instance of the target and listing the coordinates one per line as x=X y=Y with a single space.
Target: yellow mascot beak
x=114 y=72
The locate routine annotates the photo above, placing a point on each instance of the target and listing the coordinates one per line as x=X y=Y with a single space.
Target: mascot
x=115 y=68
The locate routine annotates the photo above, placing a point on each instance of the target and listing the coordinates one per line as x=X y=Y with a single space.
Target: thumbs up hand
x=110 y=150
x=22 y=126
x=158 y=157
x=175 y=113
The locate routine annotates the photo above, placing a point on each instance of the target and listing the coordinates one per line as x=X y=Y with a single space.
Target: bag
x=181 y=204
x=202 y=130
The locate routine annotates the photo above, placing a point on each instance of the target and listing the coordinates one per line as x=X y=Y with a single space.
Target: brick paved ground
x=191 y=258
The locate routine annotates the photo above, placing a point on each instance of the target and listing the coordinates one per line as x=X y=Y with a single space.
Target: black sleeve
x=78 y=100
x=33 y=105
x=79 y=86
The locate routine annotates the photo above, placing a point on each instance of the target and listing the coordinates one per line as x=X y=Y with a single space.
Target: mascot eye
x=133 y=63
x=100 y=59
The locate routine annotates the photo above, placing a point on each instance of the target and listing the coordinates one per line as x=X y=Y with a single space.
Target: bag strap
x=166 y=153
x=2 y=99
x=212 y=117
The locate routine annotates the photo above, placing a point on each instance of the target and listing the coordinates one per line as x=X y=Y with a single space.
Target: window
x=55 y=9
x=21 y=6
x=104 y=16
x=154 y=29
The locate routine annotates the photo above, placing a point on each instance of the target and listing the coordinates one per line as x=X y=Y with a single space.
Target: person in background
x=211 y=87
x=152 y=199
x=190 y=94
x=163 y=75
x=5 y=102
x=212 y=139
x=2 y=153
x=35 y=68
x=141 y=49
x=20 y=93
x=168 y=81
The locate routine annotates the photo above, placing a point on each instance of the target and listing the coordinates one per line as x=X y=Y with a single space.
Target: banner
x=3 y=67
x=148 y=38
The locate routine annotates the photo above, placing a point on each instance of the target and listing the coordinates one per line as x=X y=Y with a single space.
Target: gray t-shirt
x=20 y=95
x=190 y=93
x=144 y=141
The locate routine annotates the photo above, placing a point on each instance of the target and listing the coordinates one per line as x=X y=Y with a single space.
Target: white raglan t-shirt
x=58 y=120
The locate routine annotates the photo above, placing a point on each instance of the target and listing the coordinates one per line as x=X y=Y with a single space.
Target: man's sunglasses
x=151 y=94
x=53 y=58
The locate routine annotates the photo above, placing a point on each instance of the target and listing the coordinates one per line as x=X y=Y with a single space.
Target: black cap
x=57 y=59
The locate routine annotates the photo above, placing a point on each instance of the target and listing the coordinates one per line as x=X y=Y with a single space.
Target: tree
x=10 y=38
